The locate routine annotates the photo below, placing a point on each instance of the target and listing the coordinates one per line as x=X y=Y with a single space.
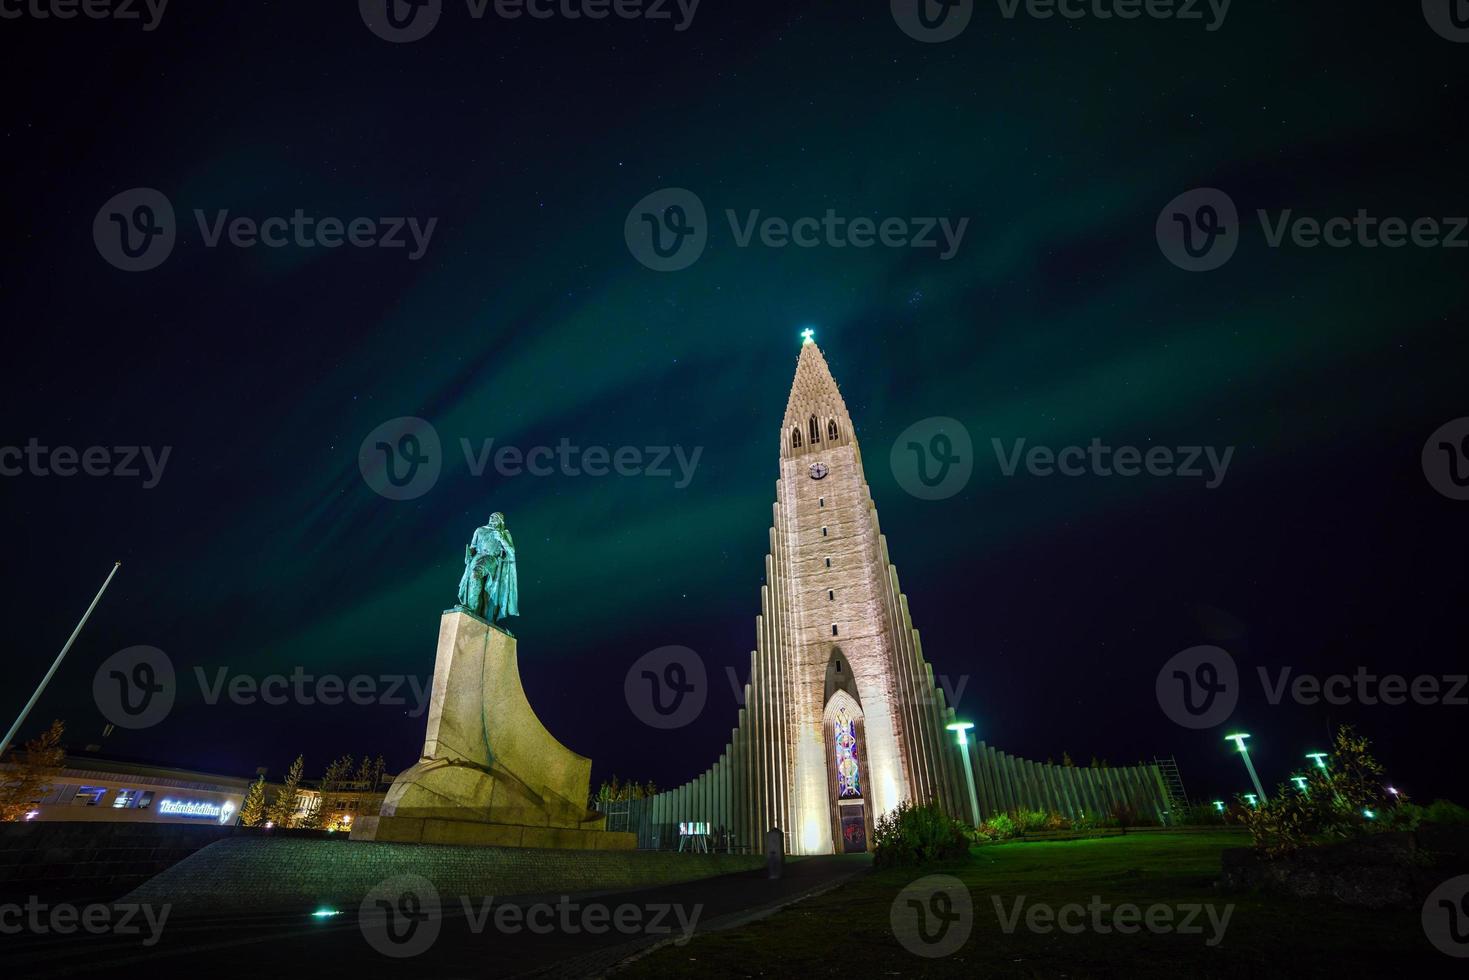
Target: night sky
x=1055 y=601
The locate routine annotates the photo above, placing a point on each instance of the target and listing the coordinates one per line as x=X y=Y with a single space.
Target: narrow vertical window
x=828 y=563
x=849 y=783
x=814 y=429
x=823 y=532
x=833 y=629
x=831 y=594
x=821 y=502
x=831 y=430
x=796 y=438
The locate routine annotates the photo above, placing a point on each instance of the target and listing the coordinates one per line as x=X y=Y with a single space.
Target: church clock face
x=818 y=470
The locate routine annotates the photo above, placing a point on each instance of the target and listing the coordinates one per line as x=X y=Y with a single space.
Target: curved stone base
x=490 y=773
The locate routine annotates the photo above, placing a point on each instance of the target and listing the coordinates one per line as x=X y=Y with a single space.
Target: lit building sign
x=190 y=808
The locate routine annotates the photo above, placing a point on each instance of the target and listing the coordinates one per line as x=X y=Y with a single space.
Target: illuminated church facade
x=842 y=718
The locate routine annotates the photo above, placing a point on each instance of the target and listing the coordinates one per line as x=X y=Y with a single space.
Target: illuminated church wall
x=831 y=595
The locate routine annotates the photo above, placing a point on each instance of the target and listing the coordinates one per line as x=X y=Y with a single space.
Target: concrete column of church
x=1063 y=790
x=1068 y=784
x=752 y=761
x=772 y=706
x=983 y=786
x=775 y=562
x=736 y=793
x=1084 y=787
x=761 y=731
x=914 y=698
x=1094 y=788
x=1031 y=773
x=928 y=734
x=902 y=668
x=758 y=738
x=746 y=810
x=1048 y=794
x=992 y=776
x=1115 y=788
x=783 y=663
x=1132 y=787
x=1002 y=780
x=775 y=776
x=1142 y=789
x=947 y=775
x=1114 y=791
x=1158 y=790
x=997 y=784
x=777 y=684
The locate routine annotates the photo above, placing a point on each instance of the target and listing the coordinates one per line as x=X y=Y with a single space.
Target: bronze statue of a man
x=489 y=587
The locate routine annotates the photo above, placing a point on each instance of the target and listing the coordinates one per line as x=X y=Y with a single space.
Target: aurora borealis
x=1052 y=600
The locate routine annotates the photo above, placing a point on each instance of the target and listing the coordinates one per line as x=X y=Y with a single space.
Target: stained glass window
x=849 y=785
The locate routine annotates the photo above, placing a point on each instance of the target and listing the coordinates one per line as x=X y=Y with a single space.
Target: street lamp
x=1239 y=739
x=960 y=728
x=1320 y=759
x=1254 y=801
x=1300 y=782
x=1219 y=805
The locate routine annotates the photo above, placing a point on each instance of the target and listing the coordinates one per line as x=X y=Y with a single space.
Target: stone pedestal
x=490 y=773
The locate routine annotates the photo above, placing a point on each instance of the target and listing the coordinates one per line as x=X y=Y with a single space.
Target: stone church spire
x=816 y=416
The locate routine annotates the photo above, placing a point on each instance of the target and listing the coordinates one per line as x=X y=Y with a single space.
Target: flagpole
x=59 y=657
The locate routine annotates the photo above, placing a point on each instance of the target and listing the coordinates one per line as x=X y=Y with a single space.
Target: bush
x=1000 y=827
x=1334 y=804
x=918 y=834
x=1445 y=812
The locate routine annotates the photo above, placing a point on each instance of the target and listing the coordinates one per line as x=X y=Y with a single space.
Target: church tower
x=863 y=714
x=842 y=719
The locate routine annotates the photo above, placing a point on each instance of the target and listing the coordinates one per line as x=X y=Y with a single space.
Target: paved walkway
x=551 y=936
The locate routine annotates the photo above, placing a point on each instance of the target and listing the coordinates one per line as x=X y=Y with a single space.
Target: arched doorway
x=844 y=733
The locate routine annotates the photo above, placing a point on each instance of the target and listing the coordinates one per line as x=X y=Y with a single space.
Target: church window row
x=813 y=432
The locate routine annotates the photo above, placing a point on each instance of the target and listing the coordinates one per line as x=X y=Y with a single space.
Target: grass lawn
x=847 y=932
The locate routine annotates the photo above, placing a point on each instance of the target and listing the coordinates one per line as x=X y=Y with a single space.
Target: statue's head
x=497 y=520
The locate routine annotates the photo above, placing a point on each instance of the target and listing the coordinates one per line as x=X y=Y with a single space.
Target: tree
x=39 y=765
x=252 y=810
x=1066 y=760
x=283 y=810
x=338 y=775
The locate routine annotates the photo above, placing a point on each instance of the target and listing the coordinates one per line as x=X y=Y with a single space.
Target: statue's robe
x=493 y=565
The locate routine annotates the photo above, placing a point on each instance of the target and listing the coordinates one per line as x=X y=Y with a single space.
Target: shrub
x=1000 y=827
x=1445 y=812
x=1334 y=804
x=918 y=834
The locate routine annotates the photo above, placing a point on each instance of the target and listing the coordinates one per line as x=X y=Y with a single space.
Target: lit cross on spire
x=807 y=335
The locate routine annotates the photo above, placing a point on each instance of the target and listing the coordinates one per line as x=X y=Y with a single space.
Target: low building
x=92 y=788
